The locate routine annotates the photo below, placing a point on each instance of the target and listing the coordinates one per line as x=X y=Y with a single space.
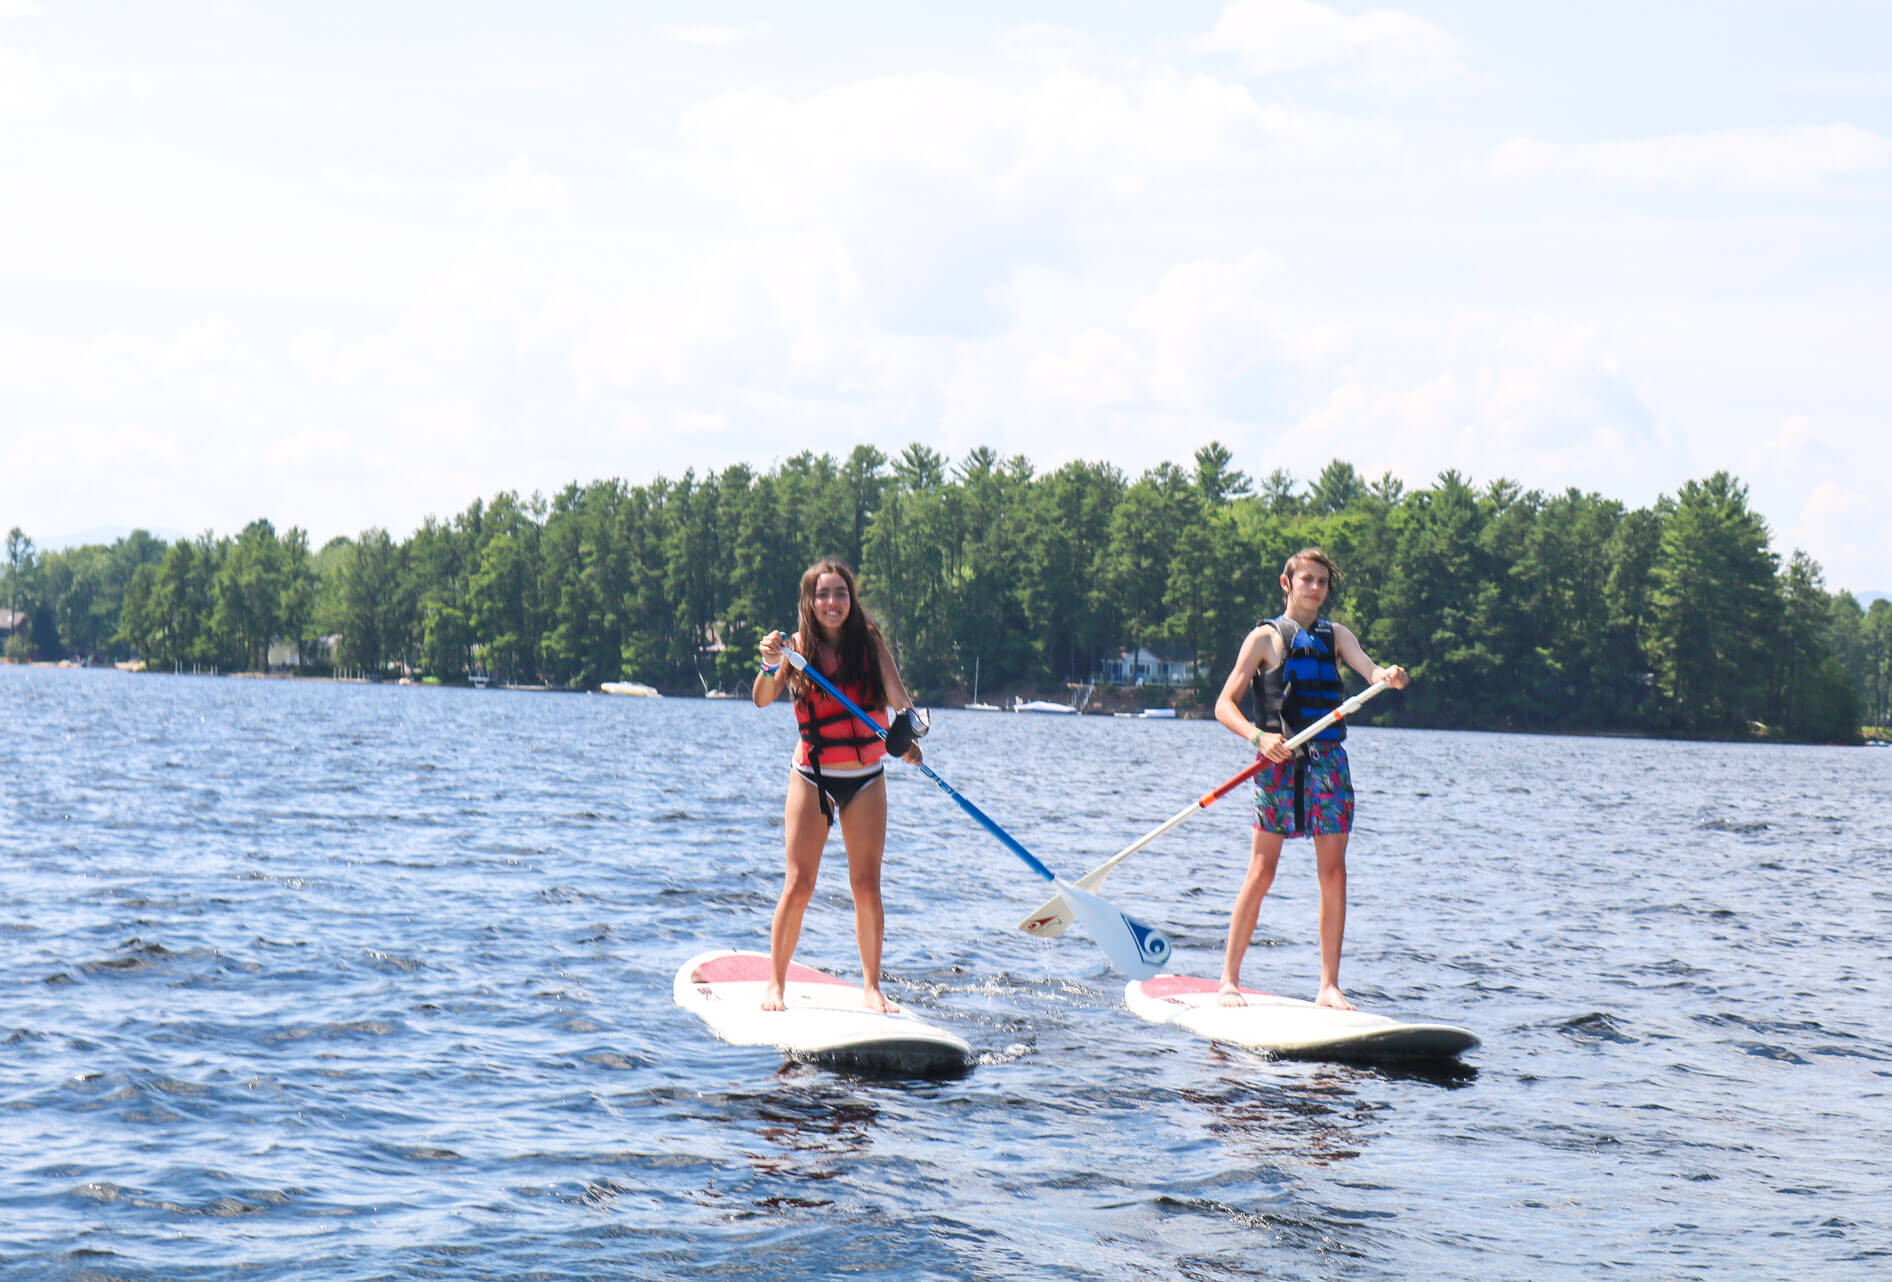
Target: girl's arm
x=896 y=692
x=767 y=688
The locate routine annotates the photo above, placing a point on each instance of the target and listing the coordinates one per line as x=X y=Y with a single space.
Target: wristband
x=769 y=671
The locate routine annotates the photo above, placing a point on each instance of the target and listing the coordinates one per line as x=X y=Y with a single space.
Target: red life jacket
x=830 y=734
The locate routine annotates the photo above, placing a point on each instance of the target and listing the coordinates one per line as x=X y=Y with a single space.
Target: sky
x=344 y=265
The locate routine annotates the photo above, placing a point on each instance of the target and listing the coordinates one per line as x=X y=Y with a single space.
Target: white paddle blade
x=1052 y=919
x=1054 y=915
x=1136 y=948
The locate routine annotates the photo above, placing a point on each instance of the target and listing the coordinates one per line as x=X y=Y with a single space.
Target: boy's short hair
x=1319 y=558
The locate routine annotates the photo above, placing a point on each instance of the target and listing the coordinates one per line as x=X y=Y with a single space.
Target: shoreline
x=1102 y=706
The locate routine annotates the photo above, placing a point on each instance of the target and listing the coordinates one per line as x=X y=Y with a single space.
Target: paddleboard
x=1289 y=1028
x=824 y=1021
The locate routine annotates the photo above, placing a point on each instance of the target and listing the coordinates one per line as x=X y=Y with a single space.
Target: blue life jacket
x=1305 y=687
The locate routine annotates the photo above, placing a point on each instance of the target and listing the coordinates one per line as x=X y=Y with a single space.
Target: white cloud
x=19 y=9
x=1546 y=424
x=716 y=36
x=1739 y=158
x=354 y=303
x=25 y=90
x=1382 y=46
x=1851 y=525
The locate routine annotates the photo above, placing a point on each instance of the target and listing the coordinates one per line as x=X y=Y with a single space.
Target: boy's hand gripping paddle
x=1054 y=916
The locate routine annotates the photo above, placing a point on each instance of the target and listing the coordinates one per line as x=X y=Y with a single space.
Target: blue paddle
x=1135 y=948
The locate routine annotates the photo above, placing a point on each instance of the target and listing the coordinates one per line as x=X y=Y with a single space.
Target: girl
x=838 y=765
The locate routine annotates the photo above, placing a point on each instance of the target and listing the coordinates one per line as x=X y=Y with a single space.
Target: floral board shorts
x=1309 y=796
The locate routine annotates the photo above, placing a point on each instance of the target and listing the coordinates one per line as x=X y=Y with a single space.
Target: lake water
x=308 y=980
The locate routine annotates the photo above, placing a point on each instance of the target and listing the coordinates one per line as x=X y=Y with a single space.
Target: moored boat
x=635 y=688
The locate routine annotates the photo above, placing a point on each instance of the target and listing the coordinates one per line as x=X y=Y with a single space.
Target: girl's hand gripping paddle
x=1136 y=948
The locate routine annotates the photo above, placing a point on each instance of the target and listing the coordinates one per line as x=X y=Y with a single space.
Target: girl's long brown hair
x=858 y=654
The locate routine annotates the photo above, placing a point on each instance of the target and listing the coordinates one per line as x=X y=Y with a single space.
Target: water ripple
x=354 y=982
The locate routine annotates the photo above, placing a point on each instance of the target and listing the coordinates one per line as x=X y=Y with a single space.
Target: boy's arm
x=1349 y=647
x=1262 y=648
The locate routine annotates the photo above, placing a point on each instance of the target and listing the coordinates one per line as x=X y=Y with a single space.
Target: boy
x=1291 y=664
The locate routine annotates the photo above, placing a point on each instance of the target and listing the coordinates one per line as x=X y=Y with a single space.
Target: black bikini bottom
x=834 y=792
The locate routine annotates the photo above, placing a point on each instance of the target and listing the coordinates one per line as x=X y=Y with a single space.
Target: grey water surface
x=314 y=980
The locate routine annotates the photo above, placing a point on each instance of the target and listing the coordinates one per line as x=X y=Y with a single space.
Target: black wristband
x=900 y=733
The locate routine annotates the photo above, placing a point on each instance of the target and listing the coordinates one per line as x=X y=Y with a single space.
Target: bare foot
x=772 y=997
x=1231 y=995
x=874 y=1001
x=1333 y=997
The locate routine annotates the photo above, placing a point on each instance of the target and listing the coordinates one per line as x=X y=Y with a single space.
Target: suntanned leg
x=864 y=833
x=805 y=833
x=1330 y=862
x=1264 y=855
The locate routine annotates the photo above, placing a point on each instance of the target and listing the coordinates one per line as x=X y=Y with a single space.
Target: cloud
x=1382 y=47
x=938 y=190
x=19 y=9
x=1795 y=157
x=715 y=36
x=1852 y=527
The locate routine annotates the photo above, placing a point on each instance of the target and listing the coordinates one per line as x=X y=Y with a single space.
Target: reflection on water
x=818 y=1127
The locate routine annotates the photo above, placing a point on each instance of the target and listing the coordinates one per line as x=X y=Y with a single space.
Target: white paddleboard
x=824 y=1021
x=1289 y=1028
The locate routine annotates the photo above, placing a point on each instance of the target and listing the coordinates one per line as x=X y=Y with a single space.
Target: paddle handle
x=1095 y=877
x=800 y=664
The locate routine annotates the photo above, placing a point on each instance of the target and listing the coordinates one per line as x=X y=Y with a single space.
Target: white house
x=1145 y=666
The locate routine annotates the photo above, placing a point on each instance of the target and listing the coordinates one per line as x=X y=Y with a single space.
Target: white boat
x=1043 y=705
x=1148 y=714
x=635 y=688
x=721 y=694
x=478 y=680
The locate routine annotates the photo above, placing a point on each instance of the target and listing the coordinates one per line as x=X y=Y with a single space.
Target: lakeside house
x=290 y=654
x=1145 y=666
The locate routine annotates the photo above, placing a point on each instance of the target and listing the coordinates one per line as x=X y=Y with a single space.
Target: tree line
x=1515 y=609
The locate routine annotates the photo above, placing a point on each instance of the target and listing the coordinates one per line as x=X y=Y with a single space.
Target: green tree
x=1336 y=489
x=370 y=602
x=1876 y=665
x=864 y=481
x=1715 y=609
x=1147 y=527
x=1432 y=598
x=1814 y=697
x=1277 y=493
x=1065 y=536
x=179 y=607
x=252 y=580
x=1217 y=480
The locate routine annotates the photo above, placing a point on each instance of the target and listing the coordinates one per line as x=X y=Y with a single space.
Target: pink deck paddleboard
x=1289 y=1028
x=823 y=1020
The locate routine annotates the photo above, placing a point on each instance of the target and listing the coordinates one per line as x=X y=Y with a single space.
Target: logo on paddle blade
x=1152 y=944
